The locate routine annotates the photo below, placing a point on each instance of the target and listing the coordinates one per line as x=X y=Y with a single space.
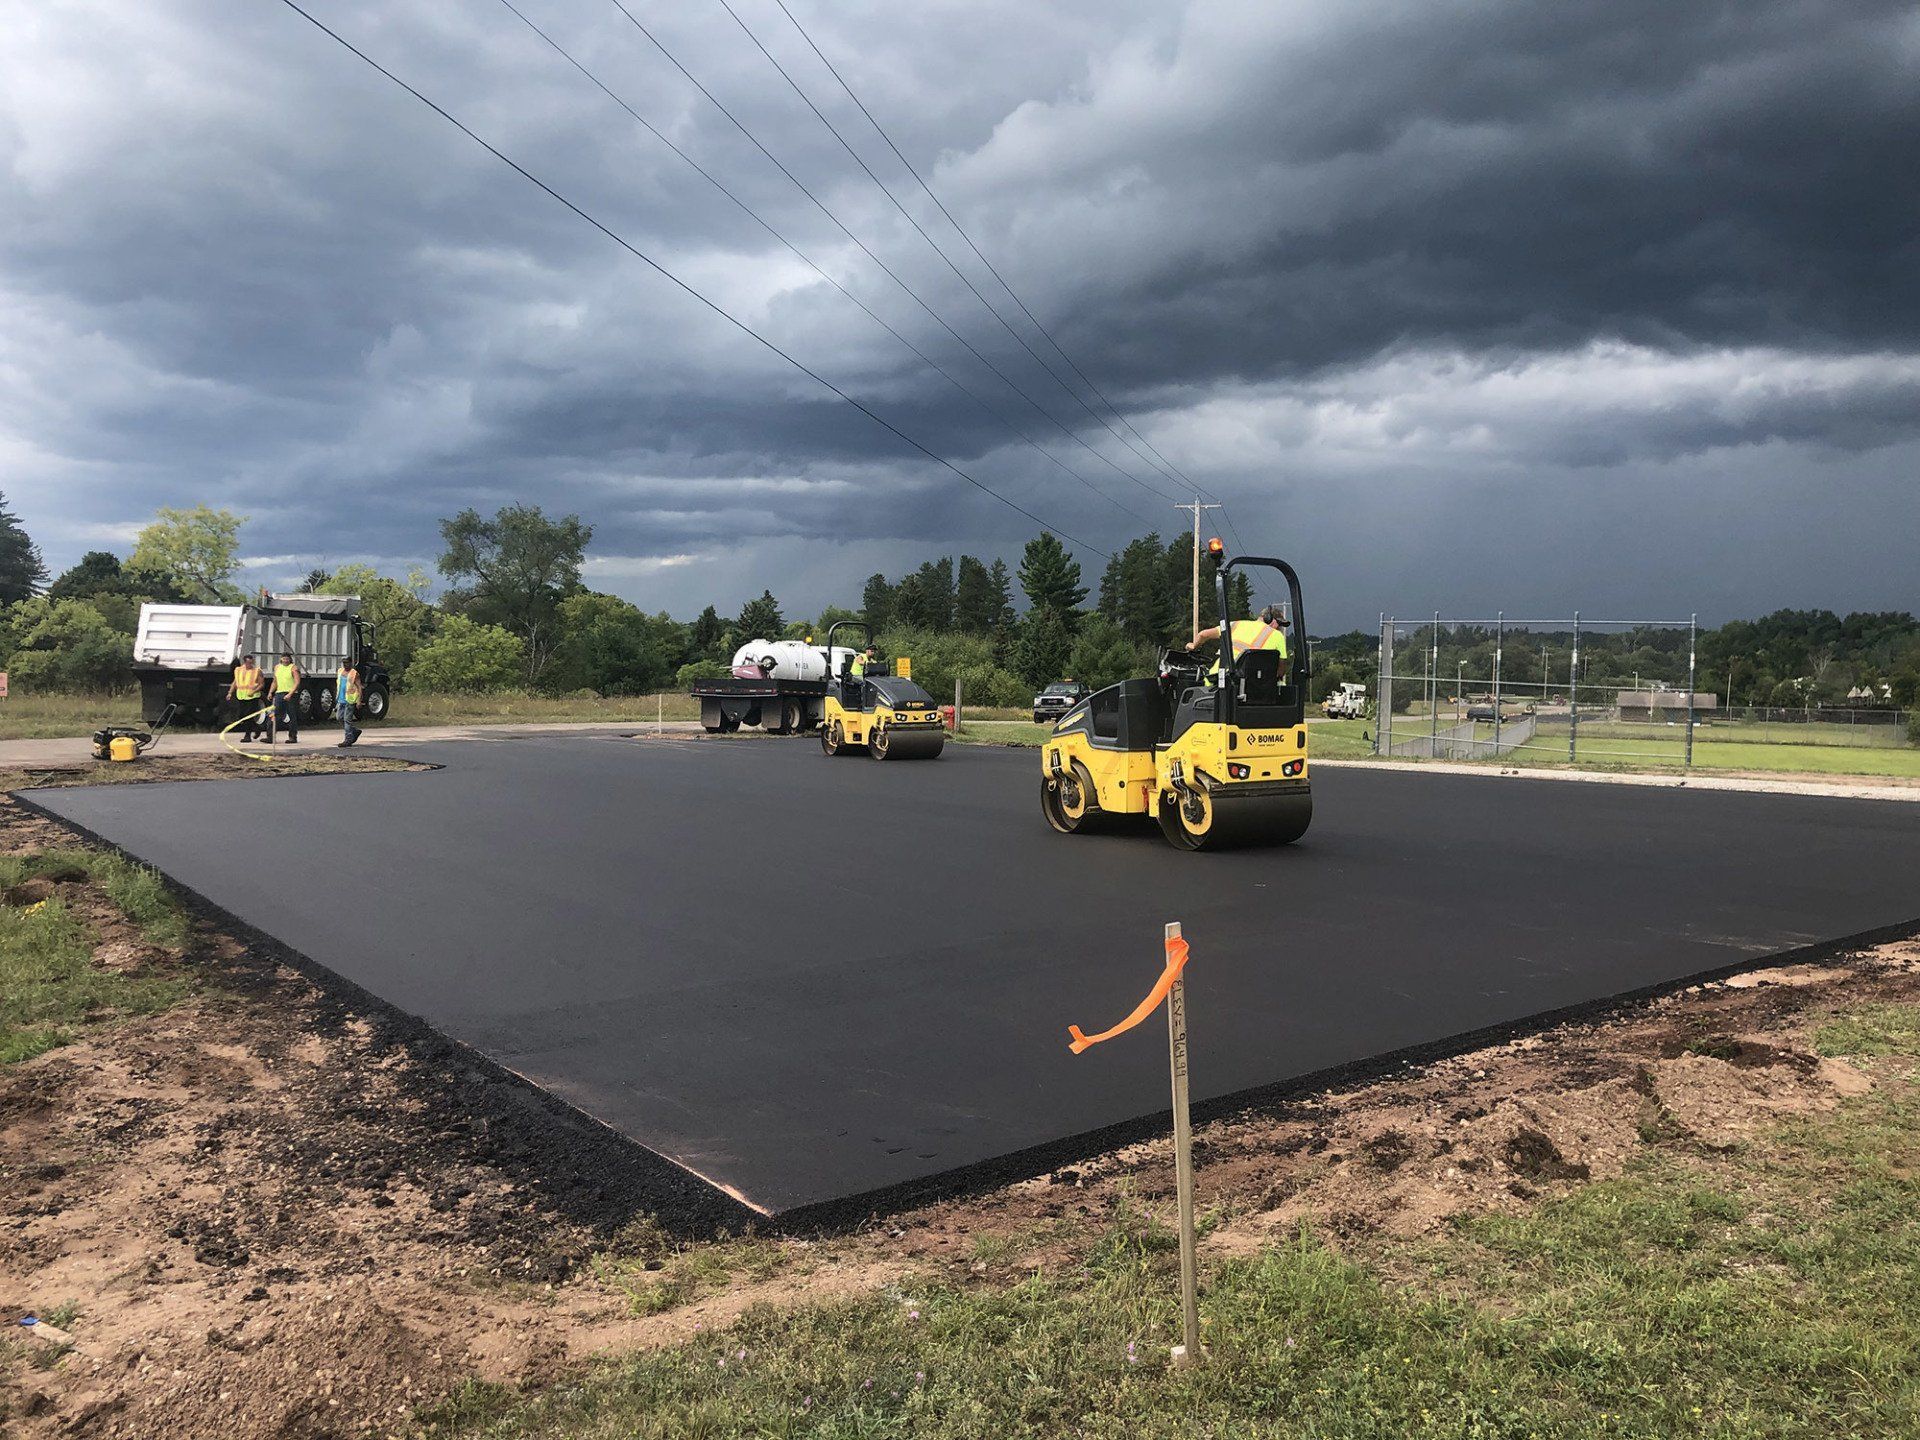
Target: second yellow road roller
x=887 y=716
x=1218 y=756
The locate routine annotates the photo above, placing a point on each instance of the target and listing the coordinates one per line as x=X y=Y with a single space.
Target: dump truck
x=183 y=655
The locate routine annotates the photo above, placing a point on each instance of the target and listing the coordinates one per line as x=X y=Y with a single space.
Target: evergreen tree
x=877 y=601
x=1002 y=631
x=1001 y=586
x=703 y=639
x=976 y=608
x=98 y=572
x=1108 y=605
x=925 y=598
x=760 y=619
x=1143 y=606
x=1044 y=645
x=22 y=572
x=1051 y=577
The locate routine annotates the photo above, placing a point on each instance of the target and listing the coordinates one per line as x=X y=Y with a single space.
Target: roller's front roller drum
x=832 y=739
x=1068 y=802
x=888 y=743
x=1229 y=816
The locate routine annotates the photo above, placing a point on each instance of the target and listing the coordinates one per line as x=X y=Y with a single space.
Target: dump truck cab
x=887 y=716
x=1218 y=758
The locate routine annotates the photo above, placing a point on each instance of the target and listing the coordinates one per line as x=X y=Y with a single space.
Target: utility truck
x=183 y=655
x=1349 y=702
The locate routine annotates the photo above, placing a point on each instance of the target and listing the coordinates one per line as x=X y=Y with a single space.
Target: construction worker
x=244 y=696
x=857 y=666
x=346 y=698
x=1269 y=632
x=286 y=698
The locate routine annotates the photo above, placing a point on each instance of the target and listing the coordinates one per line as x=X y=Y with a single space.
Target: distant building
x=1662 y=706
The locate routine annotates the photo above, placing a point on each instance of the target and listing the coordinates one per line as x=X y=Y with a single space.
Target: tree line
x=513 y=612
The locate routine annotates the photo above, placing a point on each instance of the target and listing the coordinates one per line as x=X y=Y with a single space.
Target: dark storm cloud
x=1362 y=269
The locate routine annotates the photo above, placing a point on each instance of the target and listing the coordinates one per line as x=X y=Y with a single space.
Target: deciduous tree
x=513 y=571
x=195 y=551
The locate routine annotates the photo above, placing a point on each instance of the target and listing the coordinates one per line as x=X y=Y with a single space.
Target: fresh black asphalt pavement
x=808 y=980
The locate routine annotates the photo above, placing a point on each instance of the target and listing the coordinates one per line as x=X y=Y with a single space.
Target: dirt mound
x=1720 y=1100
x=329 y=1365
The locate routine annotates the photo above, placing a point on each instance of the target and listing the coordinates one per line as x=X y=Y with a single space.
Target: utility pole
x=1196 y=507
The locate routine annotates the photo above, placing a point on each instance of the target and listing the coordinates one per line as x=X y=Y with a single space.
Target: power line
x=808 y=260
x=981 y=256
x=867 y=250
x=667 y=274
x=960 y=230
x=1018 y=338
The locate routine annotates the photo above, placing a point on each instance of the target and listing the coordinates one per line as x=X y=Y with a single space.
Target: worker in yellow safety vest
x=286 y=698
x=857 y=666
x=244 y=699
x=1269 y=632
x=346 y=699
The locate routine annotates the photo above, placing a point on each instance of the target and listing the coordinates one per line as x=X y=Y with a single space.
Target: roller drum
x=1228 y=817
x=896 y=744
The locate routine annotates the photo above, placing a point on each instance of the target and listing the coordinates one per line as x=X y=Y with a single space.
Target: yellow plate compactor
x=1218 y=759
x=888 y=716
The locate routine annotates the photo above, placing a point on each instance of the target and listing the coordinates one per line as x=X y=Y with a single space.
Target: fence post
x=1573 y=696
x=956 y=707
x=1433 y=694
x=1383 y=691
x=1693 y=638
x=1499 y=640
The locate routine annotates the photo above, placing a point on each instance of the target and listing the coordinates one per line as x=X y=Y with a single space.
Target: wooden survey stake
x=1172 y=989
x=1187 y=1352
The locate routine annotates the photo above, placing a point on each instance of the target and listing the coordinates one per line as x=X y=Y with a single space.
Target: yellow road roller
x=1217 y=755
x=887 y=716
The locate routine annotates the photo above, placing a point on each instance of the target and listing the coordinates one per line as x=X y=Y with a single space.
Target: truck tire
x=324 y=702
x=308 y=703
x=373 y=704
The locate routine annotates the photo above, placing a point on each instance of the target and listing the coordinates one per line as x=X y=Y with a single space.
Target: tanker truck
x=778 y=685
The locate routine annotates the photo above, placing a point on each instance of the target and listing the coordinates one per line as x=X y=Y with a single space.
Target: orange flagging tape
x=1176 y=962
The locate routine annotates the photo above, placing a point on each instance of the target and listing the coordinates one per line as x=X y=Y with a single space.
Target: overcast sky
x=1457 y=305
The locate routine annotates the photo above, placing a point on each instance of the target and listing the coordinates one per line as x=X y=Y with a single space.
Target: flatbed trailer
x=781 y=707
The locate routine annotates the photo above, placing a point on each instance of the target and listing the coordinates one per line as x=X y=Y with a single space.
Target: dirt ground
x=251 y=765
x=266 y=1213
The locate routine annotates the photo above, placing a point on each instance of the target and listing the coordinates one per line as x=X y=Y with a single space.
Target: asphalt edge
x=854 y=1211
x=688 y=1203
x=683 y=1202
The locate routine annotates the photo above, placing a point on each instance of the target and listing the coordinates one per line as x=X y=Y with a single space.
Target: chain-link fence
x=1579 y=689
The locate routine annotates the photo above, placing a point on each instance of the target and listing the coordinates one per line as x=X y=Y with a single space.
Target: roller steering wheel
x=1180 y=669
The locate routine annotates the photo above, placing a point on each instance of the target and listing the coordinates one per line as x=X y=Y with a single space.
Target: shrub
x=464 y=657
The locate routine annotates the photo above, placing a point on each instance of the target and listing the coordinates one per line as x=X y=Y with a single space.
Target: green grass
x=35 y=717
x=27 y=716
x=1776 y=1292
x=1877 y=1030
x=1601 y=745
x=50 y=990
x=518 y=707
x=658 y=1273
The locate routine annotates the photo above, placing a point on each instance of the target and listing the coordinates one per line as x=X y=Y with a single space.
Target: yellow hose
x=249 y=754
